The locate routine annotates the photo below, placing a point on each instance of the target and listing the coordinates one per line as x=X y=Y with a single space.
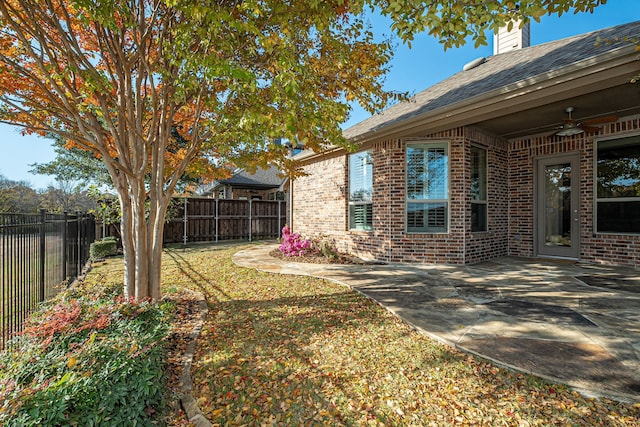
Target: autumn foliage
x=90 y=357
x=293 y=350
x=161 y=89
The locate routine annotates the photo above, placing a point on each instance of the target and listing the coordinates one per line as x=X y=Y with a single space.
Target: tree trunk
x=135 y=245
x=141 y=247
x=157 y=215
x=126 y=234
x=142 y=229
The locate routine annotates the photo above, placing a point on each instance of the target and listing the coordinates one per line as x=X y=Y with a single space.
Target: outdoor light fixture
x=569 y=129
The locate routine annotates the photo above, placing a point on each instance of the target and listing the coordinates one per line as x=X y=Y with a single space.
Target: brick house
x=530 y=152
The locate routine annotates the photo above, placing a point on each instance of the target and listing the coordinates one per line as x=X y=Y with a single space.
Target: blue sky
x=412 y=70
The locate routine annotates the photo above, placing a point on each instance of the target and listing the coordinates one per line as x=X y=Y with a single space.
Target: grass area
x=283 y=350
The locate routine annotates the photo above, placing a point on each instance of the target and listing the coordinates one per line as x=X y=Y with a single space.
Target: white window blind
x=361 y=190
x=427 y=187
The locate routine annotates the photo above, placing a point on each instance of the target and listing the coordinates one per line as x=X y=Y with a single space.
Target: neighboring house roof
x=491 y=89
x=266 y=178
x=260 y=179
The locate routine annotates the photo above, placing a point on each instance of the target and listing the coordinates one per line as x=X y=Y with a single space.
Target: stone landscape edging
x=188 y=402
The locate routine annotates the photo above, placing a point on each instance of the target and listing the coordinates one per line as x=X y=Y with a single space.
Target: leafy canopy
x=453 y=23
x=160 y=89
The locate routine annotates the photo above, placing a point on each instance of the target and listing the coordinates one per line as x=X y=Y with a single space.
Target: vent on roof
x=474 y=63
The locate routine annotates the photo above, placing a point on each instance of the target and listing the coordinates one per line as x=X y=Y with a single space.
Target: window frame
x=596 y=198
x=350 y=203
x=446 y=144
x=485 y=201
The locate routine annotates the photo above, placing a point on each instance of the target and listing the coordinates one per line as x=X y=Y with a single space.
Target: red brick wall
x=320 y=201
x=389 y=241
x=320 y=204
x=605 y=248
x=492 y=243
x=600 y=248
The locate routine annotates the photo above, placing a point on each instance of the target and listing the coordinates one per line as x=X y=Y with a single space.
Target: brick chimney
x=506 y=41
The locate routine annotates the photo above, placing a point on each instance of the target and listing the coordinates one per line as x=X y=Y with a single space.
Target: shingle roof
x=266 y=178
x=500 y=71
x=260 y=179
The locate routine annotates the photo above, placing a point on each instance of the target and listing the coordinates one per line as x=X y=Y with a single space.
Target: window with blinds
x=361 y=191
x=478 y=188
x=428 y=187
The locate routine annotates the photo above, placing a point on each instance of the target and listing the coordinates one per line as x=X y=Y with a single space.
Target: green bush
x=103 y=248
x=87 y=361
x=110 y=239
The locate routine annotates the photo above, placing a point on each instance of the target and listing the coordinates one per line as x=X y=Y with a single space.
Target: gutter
x=575 y=79
x=521 y=93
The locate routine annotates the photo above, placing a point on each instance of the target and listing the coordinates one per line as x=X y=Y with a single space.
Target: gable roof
x=509 y=74
x=262 y=179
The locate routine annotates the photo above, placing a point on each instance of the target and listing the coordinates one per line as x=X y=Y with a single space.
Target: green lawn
x=283 y=350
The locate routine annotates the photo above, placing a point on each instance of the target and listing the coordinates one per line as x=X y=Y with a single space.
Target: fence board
x=212 y=220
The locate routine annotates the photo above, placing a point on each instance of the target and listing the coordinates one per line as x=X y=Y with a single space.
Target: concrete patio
x=565 y=321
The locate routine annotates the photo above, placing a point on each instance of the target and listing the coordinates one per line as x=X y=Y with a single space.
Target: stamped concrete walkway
x=568 y=322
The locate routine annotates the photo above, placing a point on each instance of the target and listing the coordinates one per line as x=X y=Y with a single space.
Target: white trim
x=445 y=143
x=360 y=202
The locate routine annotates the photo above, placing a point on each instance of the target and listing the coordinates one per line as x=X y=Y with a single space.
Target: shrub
x=86 y=361
x=328 y=249
x=103 y=248
x=293 y=244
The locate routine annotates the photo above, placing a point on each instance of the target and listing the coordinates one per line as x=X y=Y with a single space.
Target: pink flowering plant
x=293 y=244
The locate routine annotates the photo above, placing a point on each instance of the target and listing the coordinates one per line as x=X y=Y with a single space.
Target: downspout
x=291 y=193
x=291 y=204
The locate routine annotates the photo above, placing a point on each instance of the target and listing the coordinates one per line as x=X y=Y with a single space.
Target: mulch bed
x=314 y=258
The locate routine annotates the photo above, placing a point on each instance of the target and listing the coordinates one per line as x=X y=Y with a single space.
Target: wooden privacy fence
x=213 y=220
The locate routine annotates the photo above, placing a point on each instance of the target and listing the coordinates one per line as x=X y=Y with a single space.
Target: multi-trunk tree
x=162 y=88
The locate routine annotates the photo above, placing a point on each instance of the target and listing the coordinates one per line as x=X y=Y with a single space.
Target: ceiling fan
x=570 y=126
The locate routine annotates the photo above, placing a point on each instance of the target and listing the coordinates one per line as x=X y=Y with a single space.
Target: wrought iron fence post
x=43 y=236
x=65 y=245
x=79 y=243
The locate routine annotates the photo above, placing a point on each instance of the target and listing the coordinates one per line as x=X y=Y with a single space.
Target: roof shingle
x=500 y=71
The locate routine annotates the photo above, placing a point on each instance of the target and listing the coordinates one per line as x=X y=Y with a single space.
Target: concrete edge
x=187 y=401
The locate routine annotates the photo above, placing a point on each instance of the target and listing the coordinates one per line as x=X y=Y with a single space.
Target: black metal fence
x=40 y=253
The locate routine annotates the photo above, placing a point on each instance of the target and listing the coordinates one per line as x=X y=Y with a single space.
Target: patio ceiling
x=620 y=100
x=537 y=106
